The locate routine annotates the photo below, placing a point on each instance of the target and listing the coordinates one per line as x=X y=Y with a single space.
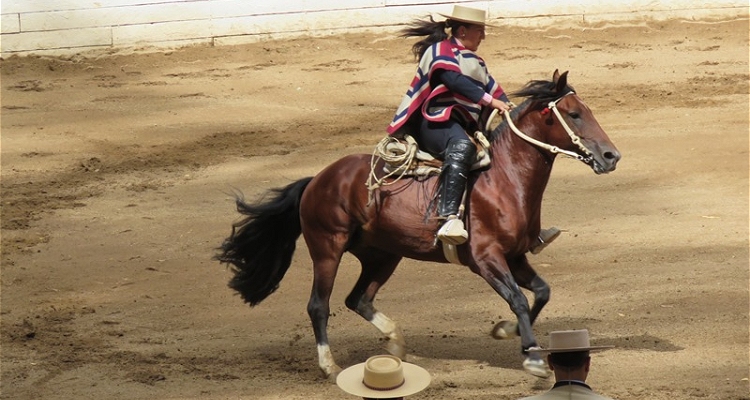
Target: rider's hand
x=500 y=105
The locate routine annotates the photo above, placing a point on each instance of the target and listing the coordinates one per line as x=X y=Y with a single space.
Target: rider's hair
x=431 y=32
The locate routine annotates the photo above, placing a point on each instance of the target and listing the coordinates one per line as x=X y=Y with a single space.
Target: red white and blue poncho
x=437 y=103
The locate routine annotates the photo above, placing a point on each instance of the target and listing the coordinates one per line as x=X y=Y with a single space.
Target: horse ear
x=556 y=76
x=562 y=82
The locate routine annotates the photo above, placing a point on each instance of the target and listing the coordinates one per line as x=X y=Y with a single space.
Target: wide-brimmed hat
x=568 y=342
x=383 y=376
x=469 y=15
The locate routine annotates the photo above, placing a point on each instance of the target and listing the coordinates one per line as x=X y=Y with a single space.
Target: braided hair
x=431 y=32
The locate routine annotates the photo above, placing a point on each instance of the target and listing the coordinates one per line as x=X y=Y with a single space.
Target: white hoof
x=327 y=365
x=505 y=330
x=537 y=368
x=332 y=373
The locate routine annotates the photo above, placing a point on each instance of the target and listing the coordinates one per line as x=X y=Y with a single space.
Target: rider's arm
x=462 y=85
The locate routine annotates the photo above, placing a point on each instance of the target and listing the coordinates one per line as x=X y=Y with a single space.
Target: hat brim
x=569 y=349
x=416 y=379
x=468 y=21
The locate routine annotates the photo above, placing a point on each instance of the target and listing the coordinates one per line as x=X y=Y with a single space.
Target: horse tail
x=261 y=245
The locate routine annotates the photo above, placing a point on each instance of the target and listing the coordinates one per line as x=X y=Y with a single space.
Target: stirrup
x=546 y=236
x=453 y=231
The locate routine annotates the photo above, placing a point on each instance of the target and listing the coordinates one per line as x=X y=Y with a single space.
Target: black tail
x=261 y=245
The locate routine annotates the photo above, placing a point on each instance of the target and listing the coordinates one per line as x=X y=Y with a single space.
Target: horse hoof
x=396 y=349
x=537 y=368
x=332 y=374
x=505 y=330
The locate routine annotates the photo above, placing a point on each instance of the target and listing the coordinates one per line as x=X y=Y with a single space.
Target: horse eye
x=574 y=115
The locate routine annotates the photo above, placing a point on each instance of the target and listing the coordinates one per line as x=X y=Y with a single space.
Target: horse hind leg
x=376 y=269
x=326 y=255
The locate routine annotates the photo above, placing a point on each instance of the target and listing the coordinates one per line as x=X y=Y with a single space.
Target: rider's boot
x=546 y=236
x=458 y=158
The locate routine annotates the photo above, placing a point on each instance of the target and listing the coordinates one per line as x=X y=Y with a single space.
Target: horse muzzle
x=605 y=161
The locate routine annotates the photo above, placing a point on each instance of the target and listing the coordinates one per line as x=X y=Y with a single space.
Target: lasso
x=402 y=162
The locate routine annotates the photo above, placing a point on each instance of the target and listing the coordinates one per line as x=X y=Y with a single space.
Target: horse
x=335 y=214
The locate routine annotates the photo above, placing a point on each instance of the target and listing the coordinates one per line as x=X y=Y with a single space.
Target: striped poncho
x=437 y=103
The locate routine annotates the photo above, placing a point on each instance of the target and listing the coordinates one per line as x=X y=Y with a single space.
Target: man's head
x=568 y=353
x=573 y=359
x=570 y=365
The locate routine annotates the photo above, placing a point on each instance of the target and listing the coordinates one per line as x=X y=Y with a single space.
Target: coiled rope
x=401 y=161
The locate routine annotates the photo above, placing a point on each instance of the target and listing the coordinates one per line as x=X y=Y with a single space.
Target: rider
x=445 y=99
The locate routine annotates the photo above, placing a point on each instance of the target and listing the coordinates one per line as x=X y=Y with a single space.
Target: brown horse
x=332 y=212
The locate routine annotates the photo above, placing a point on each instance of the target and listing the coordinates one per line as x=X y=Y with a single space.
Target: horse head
x=571 y=127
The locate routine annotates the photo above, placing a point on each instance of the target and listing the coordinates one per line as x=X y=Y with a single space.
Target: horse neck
x=520 y=163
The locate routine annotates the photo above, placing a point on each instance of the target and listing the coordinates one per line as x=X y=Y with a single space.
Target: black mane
x=542 y=92
x=537 y=94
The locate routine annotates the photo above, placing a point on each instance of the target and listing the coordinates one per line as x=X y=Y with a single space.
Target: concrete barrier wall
x=58 y=27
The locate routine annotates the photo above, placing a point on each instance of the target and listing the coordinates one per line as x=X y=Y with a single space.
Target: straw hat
x=382 y=377
x=568 y=342
x=469 y=15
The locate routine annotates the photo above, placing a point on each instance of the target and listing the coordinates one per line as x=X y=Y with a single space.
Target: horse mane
x=537 y=94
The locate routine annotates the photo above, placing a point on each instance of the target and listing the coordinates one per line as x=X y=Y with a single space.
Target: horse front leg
x=505 y=285
x=541 y=295
x=528 y=279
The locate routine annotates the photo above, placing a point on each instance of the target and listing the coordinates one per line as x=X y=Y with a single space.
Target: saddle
x=402 y=157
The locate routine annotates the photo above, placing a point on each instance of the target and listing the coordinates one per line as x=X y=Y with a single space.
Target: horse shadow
x=507 y=354
x=294 y=358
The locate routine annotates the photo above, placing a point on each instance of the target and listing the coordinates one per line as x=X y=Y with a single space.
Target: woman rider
x=445 y=100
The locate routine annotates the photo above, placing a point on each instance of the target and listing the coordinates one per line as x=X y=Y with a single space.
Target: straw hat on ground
x=382 y=377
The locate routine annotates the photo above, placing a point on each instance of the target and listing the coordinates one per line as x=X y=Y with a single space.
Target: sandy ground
x=116 y=174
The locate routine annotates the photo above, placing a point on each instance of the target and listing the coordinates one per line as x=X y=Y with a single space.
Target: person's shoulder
x=597 y=396
x=563 y=392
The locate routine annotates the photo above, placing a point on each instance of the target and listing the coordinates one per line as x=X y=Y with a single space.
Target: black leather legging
x=434 y=137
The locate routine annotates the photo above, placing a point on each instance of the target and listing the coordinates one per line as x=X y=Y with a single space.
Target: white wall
x=73 y=26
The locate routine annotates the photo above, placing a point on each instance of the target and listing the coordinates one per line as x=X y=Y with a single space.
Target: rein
x=552 y=149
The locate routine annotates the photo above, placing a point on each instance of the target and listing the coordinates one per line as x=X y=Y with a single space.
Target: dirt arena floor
x=116 y=181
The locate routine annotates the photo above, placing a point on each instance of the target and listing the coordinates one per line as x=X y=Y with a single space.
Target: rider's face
x=471 y=36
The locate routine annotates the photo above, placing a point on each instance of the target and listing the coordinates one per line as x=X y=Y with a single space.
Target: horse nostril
x=609 y=155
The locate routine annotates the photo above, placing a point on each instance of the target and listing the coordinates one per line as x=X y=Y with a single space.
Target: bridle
x=552 y=149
